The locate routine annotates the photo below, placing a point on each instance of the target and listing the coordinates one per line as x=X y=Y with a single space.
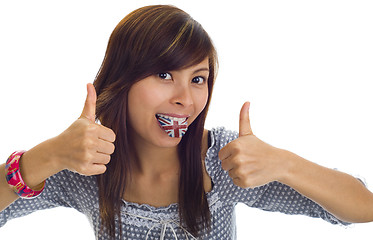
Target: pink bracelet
x=14 y=178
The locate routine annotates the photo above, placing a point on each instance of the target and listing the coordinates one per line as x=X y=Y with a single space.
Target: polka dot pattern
x=142 y=221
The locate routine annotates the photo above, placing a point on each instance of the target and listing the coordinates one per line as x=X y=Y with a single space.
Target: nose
x=182 y=95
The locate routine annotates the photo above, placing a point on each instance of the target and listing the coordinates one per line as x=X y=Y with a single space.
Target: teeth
x=171 y=118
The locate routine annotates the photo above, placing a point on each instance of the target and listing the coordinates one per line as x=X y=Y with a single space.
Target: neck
x=153 y=160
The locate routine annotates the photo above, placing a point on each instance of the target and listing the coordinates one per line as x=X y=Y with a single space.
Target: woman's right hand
x=85 y=147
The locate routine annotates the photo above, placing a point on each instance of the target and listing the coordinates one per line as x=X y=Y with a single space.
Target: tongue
x=175 y=129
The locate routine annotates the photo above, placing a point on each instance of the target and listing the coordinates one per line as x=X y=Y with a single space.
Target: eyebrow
x=201 y=69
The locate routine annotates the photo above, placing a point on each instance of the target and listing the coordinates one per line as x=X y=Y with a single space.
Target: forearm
x=339 y=193
x=6 y=192
x=85 y=147
x=39 y=163
x=36 y=165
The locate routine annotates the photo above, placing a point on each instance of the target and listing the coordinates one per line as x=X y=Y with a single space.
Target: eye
x=198 y=80
x=165 y=75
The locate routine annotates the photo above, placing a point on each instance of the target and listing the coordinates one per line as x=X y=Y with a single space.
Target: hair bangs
x=190 y=46
x=177 y=42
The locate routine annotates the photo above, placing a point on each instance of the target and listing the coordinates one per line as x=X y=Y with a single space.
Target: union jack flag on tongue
x=175 y=129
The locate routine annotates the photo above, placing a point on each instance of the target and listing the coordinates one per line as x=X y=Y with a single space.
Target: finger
x=101 y=158
x=105 y=133
x=105 y=147
x=98 y=169
x=225 y=152
x=89 y=110
x=237 y=182
x=232 y=174
x=91 y=169
x=245 y=127
x=227 y=165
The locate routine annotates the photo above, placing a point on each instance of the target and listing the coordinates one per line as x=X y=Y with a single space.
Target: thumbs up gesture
x=249 y=161
x=85 y=147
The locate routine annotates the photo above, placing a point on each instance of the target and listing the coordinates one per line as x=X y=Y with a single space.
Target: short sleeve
x=274 y=196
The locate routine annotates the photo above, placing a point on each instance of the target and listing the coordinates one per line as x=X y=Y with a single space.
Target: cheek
x=201 y=100
x=138 y=105
x=142 y=97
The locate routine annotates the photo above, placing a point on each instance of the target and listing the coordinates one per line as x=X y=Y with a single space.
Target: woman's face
x=175 y=96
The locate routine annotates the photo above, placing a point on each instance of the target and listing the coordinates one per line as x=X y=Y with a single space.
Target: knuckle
x=236 y=147
x=86 y=143
x=240 y=173
x=231 y=175
x=89 y=130
x=238 y=182
x=222 y=153
x=82 y=169
x=89 y=143
x=83 y=157
x=84 y=126
x=224 y=165
x=247 y=183
x=238 y=161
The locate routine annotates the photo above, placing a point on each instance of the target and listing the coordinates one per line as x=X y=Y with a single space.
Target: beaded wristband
x=14 y=178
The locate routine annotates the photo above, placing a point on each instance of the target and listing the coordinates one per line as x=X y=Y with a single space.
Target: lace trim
x=147 y=207
x=135 y=214
x=141 y=218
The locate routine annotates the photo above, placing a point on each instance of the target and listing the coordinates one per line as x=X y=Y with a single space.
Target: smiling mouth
x=174 y=126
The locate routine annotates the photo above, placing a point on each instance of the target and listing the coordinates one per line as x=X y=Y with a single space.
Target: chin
x=167 y=141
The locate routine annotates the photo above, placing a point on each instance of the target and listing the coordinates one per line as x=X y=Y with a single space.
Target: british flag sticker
x=173 y=128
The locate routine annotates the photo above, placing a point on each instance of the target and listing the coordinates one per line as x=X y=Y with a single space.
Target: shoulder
x=219 y=137
x=67 y=183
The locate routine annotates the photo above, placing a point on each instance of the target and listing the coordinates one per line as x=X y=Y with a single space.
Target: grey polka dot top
x=142 y=221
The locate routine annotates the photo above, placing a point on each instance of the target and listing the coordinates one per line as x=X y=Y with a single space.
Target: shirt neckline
x=175 y=205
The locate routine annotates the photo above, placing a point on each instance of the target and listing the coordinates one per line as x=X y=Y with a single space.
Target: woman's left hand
x=249 y=161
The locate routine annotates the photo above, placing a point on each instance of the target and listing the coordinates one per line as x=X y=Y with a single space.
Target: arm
x=251 y=162
x=7 y=194
x=339 y=193
x=36 y=165
x=85 y=147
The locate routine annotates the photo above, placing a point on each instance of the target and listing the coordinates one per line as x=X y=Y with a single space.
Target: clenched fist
x=249 y=161
x=85 y=147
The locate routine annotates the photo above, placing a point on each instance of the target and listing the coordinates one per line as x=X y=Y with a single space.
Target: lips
x=174 y=125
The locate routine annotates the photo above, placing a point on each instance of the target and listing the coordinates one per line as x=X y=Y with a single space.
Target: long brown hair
x=148 y=41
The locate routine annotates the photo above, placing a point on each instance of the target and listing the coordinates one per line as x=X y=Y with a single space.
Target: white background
x=306 y=67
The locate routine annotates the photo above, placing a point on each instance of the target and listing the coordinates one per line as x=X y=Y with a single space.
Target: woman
x=151 y=170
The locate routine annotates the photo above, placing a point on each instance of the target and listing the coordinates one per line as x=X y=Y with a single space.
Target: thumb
x=89 y=110
x=245 y=127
